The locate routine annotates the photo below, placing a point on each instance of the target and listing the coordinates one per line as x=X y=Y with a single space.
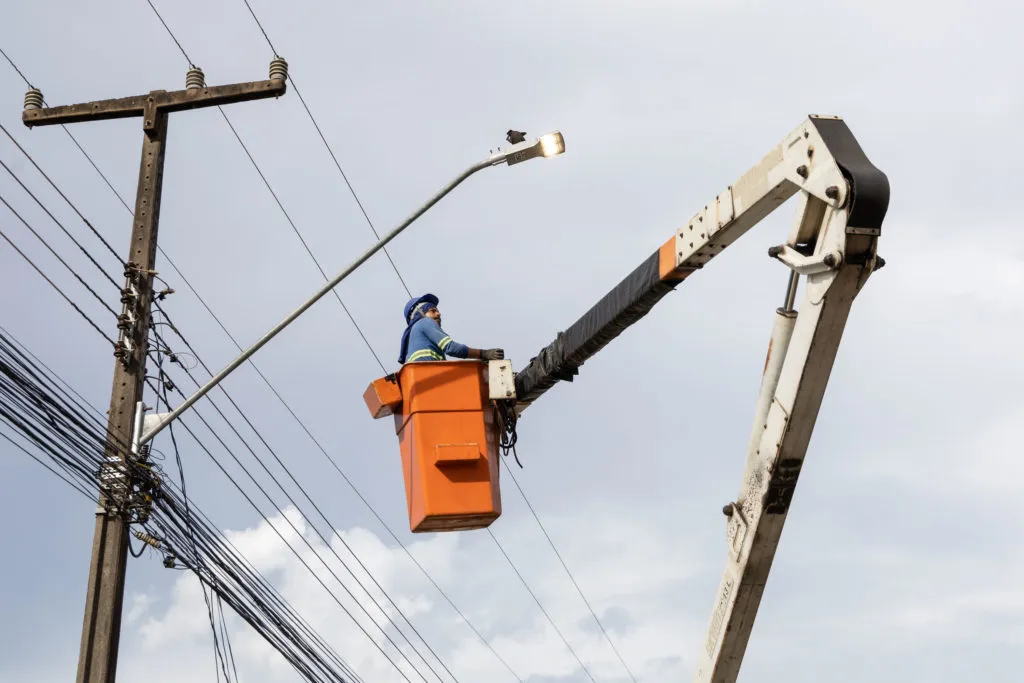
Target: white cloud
x=628 y=588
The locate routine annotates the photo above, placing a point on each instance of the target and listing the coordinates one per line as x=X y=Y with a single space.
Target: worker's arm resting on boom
x=428 y=338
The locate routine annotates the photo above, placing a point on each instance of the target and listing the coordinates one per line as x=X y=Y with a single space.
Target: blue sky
x=901 y=557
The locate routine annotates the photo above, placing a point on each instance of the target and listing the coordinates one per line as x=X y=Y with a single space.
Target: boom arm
x=820 y=159
x=842 y=199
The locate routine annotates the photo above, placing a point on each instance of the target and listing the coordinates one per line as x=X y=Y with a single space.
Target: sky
x=901 y=558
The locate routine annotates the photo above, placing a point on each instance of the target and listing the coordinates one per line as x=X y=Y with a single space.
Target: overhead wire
x=253 y=504
x=319 y=267
x=569 y=573
x=539 y=605
x=58 y=257
x=192 y=514
x=34 y=407
x=15 y=67
x=170 y=33
x=284 y=516
x=53 y=284
x=246 y=568
x=234 y=570
x=366 y=216
x=67 y=389
x=64 y=477
x=219 y=655
x=59 y=224
x=227 y=641
x=319 y=511
x=262 y=376
x=273 y=389
x=314 y=527
x=61 y=193
x=33 y=398
x=337 y=164
x=298 y=234
x=295 y=87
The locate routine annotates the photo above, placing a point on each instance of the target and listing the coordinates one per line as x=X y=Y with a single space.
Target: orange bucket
x=448 y=435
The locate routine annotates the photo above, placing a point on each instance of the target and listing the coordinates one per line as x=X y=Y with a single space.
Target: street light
x=547 y=145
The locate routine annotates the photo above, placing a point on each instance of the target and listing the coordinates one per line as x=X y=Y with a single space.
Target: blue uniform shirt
x=427 y=341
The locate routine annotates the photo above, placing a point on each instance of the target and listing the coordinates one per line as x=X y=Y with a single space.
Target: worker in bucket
x=424 y=340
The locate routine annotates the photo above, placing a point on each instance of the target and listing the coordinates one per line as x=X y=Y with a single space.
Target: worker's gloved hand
x=492 y=354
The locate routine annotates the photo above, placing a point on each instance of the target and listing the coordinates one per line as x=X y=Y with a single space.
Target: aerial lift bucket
x=448 y=434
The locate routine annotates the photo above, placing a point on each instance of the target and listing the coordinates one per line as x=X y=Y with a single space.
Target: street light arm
x=167 y=418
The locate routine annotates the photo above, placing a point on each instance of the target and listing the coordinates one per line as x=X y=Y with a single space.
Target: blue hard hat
x=416 y=301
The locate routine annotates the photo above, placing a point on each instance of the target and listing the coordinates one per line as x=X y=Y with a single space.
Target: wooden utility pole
x=101 y=628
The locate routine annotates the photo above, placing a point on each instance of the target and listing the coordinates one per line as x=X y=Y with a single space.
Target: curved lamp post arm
x=545 y=146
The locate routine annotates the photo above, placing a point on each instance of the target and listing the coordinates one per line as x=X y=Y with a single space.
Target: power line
x=288 y=217
x=219 y=655
x=289 y=522
x=315 y=506
x=157 y=13
x=262 y=30
x=273 y=389
x=32 y=404
x=308 y=250
x=195 y=514
x=319 y=267
x=544 y=611
x=109 y=183
x=59 y=224
x=52 y=284
x=73 y=484
x=291 y=78
x=81 y=437
x=63 y=196
x=566 y=568
x=302 y=240
x=298 y=533
x=58 y=257
x=298 y=234
x=15 y=67
x=74 y=273
x=295 y=87
x=39 y=362
x=247 y=568
x=337 y=164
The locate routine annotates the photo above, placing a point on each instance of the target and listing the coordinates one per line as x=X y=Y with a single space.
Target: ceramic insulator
x=34 y=99
x=195 y=78
x=278 y=69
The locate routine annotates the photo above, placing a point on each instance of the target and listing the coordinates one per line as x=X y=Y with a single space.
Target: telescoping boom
x=842 y=201
x=447 y=418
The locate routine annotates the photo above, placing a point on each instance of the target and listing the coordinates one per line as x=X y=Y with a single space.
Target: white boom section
x=792 y=392
x=836 y=258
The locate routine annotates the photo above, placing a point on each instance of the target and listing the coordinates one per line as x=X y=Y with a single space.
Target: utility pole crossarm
x=178 y=100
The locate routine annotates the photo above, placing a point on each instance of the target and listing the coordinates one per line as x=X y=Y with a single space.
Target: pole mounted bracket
x=151 y=424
